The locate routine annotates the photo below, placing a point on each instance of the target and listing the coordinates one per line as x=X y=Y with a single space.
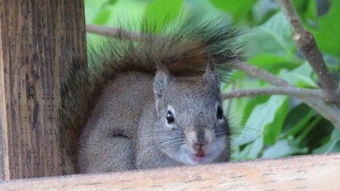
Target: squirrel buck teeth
x=125 y=93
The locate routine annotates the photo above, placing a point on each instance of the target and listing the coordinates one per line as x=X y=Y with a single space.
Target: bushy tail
x=183 y=48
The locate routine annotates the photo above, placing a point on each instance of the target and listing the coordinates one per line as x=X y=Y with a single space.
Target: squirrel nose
x=200 y=144
x=200 y=139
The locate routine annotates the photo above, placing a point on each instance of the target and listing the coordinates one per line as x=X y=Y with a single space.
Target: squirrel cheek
x=209 y=136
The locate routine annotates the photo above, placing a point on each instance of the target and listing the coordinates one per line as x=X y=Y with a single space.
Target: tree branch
x=331 y=114
x=115 y=33
x=261 y=74
x=309 y=48
x=290 y=91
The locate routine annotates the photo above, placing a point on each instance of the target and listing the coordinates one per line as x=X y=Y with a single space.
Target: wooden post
x=39 y=41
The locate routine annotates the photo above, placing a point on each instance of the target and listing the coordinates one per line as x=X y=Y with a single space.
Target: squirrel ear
x=161 y=81
x=210 y=72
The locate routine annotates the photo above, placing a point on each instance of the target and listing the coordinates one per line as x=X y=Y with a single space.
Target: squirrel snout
x=200 y=144
x=199 y=139
x=198 y=147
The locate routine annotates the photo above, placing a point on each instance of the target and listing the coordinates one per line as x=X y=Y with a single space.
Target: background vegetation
x=263 y=126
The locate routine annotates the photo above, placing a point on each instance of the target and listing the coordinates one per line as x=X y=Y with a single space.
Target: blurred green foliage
x=263 y=126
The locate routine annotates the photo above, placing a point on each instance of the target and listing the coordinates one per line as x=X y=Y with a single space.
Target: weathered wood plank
x=39 y=41
x=2 y=175
x=309 y=173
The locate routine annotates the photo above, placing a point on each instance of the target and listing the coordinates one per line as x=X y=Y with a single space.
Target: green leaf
x=238 y=9
x=274 y=63
x=103 y=15
x=311 y=13
x=333 y=145
x=307 y=11
x=282 y=148
x=203 y=10
x=297 y=119
x=161 y=12
x=103 y=12
x=111 y=2
x=92 y=8
x=300 y=77
x=316 y=133
x=262 y=116
x=308 y=128
x=235 y=114
x=241 y=155
x=249 y=107
x=263 y=9
x=255 y=148
x=273 y=37
x=273 y=130
x=114 y=12
x=327 y=36
x=244 y=107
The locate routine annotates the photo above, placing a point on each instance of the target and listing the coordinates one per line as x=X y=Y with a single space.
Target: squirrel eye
x=170 y=117
x=219 y=113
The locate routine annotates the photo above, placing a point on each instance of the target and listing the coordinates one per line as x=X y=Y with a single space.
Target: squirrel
x=149 y=102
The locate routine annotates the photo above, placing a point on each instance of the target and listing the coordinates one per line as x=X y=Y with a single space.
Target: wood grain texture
x=39 y=41
x=2 y=175
x=307 y=173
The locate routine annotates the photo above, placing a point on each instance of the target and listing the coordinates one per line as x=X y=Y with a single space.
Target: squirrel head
x=190 y=128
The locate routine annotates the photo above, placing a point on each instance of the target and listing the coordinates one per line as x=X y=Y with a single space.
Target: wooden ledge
x=320 y=172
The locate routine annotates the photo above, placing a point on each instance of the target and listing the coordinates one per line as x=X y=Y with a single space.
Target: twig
x=118 y=33
x=290 y=91
x=309 y=48
x=261 y=74
x=332 y=114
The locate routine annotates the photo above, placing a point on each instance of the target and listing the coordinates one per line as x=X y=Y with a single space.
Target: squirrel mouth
x=199 y=156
